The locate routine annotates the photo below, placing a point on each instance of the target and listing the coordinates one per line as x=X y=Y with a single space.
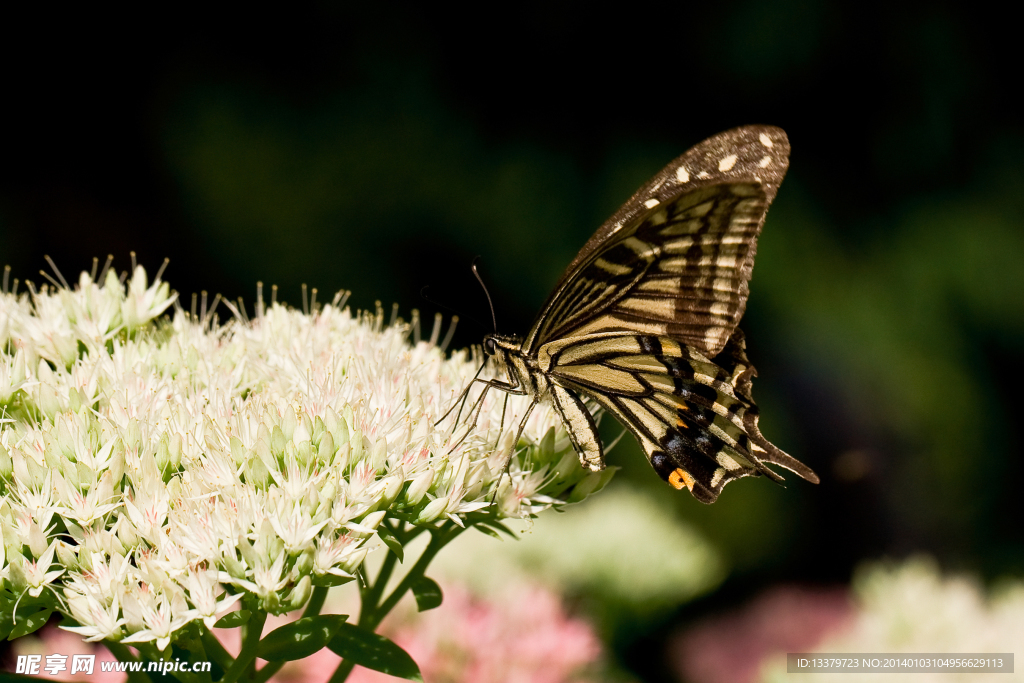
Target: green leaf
x=30 y=624
x=484 y=529
x=493 y=528
x=300 y=639
x=428 y=593
x=374 y=651
x=331 y=580
x=233 y=619
x=391 y=542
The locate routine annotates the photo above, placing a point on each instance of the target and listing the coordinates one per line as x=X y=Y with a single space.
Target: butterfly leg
x=501 y=424
x=477 y=408
x=461 y=400
x=512 y=447
x=581 y=427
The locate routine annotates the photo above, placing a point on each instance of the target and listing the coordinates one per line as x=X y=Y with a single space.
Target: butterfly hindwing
x=694 y=419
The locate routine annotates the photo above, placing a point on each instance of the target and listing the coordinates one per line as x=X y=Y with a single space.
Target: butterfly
x=644 y=321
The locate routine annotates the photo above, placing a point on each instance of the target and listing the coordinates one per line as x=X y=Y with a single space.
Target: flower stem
x=123 y=654
x=316 y=601
x=250 y=642
x=438 y=539
x=215 y=650
x=372 y=612
x=313 y=607
x=369 y=595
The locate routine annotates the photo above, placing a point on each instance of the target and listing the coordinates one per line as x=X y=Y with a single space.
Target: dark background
x=379 y=149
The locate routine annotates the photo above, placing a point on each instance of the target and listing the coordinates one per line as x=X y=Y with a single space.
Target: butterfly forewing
x=675 y=260
x=682 y=272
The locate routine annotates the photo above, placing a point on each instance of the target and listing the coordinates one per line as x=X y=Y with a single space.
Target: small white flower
x=203 y=589
x=34 y=576
x=296 y=528
x=161 y=616
x=338 y=556
x=419 y=487
x=103 y=622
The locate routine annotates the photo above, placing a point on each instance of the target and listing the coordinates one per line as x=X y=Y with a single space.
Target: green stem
x=253 y=631
x=123 y=654
x=267 y=671
x=316 y=602
x=151 y=654
x=197 y=651
x=342 y=672
x=216 y=650
x=370 y=595
x=313 y=607
x=438 y=539
x=371 y=613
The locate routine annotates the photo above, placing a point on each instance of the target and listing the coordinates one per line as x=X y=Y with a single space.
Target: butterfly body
x=645 y=320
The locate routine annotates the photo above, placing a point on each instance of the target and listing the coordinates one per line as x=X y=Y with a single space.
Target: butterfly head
x=498 y=345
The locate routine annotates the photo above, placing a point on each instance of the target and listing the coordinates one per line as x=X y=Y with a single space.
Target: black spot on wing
x=680 y=451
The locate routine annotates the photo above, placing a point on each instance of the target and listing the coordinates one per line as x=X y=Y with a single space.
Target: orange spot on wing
x=680 y=478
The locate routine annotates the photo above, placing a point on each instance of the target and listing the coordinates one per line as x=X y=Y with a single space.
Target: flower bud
x=419 y=486
x=300 y=594
x=67 y=556
x=432 y=511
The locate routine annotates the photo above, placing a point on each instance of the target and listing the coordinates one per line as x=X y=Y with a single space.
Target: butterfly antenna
x=476 y=273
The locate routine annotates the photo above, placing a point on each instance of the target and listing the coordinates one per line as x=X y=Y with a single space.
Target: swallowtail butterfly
x=644 y=321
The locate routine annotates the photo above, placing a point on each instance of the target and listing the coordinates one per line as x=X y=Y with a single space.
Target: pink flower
x=732 y=647
x=524 y=636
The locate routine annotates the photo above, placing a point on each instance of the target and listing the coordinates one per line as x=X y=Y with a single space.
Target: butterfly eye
x=490 y=348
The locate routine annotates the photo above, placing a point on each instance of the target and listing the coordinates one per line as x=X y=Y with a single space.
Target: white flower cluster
x=153 y=472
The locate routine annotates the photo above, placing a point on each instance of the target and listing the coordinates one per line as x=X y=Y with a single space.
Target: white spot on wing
x=651 y=203
x=721 y=309
x=717 y=476
x=765 y=160
x=727 y=462
x=682 y=176
x=765 y=140
x=727 y=163
x=703 y=174
x=713 y=335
